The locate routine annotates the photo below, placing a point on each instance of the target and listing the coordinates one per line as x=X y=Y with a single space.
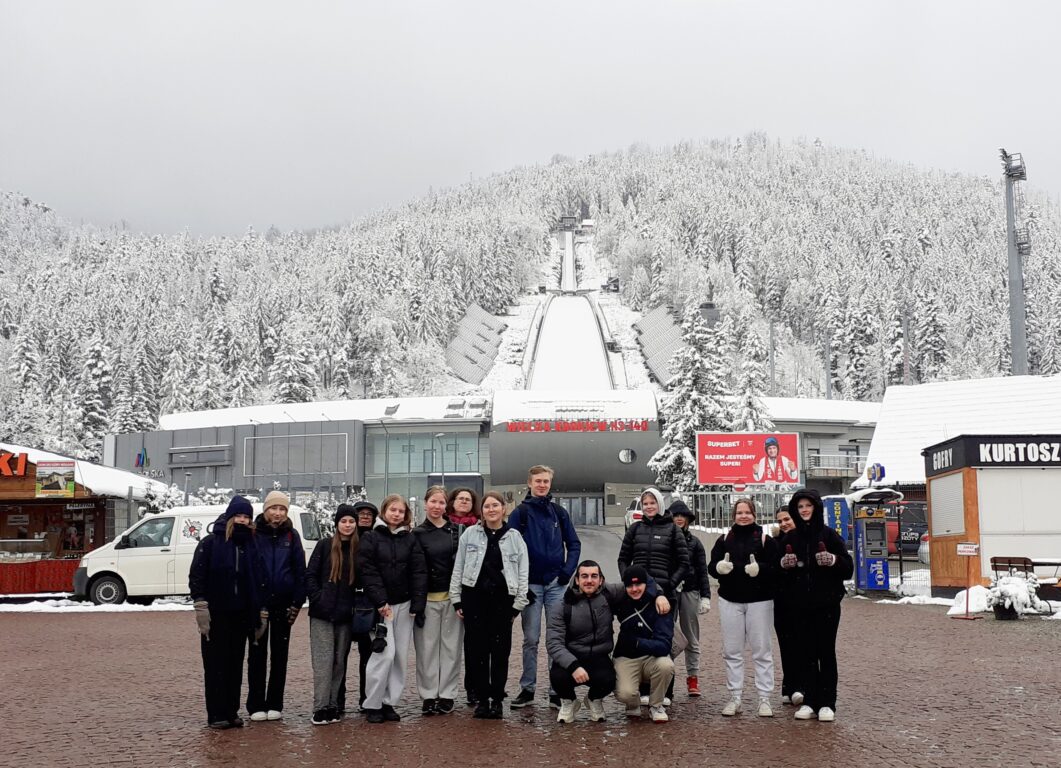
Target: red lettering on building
x=19 y=468
x=579 y=425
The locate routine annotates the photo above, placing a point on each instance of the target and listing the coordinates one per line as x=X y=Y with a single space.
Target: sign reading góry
x=747 y=458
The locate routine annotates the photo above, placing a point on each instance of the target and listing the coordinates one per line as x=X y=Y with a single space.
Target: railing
x=838 y=463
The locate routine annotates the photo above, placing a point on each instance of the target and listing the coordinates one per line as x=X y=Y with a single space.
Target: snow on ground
x=621 y=321
x=570 y=353
x=66 y=605
x=507 y=372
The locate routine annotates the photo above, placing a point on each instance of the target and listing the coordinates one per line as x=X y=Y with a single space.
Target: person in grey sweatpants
x=745 y=561
x=330 y=577
x=693 y=601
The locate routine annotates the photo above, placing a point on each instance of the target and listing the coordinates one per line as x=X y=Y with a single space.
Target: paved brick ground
x=916 y=689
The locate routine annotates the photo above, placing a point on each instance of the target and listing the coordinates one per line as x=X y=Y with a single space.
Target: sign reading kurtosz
x=992 y=451
x=747 y=458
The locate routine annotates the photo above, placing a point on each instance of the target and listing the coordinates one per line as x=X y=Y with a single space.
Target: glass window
x=155 y=532
x=311 y=531
x=398 y=454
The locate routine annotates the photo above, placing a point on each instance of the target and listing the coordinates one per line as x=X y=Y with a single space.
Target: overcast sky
x=215 y=116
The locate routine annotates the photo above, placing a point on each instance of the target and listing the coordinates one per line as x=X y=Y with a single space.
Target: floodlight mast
x=1018 y=244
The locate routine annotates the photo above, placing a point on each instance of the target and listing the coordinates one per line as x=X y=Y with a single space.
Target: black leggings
x=487 y=641
x=816 y=639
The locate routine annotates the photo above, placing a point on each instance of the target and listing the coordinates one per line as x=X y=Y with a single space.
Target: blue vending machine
x=871 y=549
x=838 y=516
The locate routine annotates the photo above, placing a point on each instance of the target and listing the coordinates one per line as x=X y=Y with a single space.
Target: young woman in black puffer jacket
x=656 y=544
x=395 y=580
x=744 y=561
x=814 y=565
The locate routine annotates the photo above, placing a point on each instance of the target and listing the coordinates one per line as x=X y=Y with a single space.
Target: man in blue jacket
x=554 y=549
x=642 y=649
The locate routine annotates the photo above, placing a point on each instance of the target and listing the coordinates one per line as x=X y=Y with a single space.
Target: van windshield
x=311 y=530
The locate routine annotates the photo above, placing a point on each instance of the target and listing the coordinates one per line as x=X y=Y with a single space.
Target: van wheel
x=109 y=590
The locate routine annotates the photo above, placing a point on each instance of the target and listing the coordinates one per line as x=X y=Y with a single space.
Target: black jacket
x=439 y=547
x=229 y=575
x=642 y=630
x=697 y=579
x=285 y=563
x=329 y=600
x=740 y=543
x=810 y=583
x=580 y=626
x=394 y=568
x=659 y=545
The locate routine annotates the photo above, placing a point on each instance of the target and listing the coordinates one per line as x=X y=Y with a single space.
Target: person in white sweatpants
x=394 y=576
x=744 y=561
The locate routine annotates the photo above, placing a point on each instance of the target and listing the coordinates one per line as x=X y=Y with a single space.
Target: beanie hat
x=679 y=507
x=238 y=505
x=275 y=498
x=345 y=510
x=635 y=574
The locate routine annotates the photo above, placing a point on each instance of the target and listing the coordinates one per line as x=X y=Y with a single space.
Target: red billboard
x=747 y=458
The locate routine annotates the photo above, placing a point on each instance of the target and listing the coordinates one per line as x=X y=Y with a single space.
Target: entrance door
x=584 y=510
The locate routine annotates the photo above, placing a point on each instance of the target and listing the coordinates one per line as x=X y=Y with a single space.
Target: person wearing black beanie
x=695 y=598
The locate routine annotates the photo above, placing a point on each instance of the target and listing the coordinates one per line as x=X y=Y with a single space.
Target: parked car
x=152 y=558
x=923 y=549
x=633 y=513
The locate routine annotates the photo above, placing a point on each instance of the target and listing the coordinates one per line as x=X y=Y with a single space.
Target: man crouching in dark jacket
x=285 y=570
x=642 y=650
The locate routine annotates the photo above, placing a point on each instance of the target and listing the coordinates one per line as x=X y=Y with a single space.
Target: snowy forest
x=870 y=262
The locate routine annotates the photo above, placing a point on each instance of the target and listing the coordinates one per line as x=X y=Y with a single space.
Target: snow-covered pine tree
x=292 y=376
x=93 y=397
x=752 y=415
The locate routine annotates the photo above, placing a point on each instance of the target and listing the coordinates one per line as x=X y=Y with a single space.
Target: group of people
x=453 y=587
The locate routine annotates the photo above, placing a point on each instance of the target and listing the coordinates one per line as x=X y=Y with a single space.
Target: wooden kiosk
x=1001 y=492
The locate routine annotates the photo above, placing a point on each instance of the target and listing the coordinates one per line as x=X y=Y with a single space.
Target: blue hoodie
x=552 y=543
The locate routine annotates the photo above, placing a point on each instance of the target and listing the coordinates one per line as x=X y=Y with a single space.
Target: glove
x=705 y=605
x=823 y=558
x=292 y=613
x=419 y=620
x=202 y=617
x=752 y=568
x=724 y=566
x=789 y=560
x=263 y=624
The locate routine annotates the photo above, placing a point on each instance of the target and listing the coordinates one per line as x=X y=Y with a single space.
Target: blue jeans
x=546 y=597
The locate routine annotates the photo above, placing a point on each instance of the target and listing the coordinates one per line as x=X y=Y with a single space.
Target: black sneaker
x=374 y=715
x=219 y=725
x=334 y=715
x=389 y=714
x=236 y=722
x=524 y=698
x=482 y=710
x=444 y=706
x=496 y=712
x=554 y=700
x=321 y=717
x=429 y=707
x=472 y=699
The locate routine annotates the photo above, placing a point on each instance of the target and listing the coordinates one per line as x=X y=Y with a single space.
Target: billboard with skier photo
x=747 y=458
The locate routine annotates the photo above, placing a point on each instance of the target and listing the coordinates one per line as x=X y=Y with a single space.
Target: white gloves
x=724 y=566
x=825 y=559
x=705 y=605
x=752 y=568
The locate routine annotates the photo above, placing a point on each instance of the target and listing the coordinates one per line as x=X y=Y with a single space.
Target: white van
x=152 y=558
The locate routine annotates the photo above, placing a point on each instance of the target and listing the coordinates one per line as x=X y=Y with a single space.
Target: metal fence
x=714 y=509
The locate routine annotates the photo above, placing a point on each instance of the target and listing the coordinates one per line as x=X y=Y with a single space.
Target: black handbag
x=364 y=618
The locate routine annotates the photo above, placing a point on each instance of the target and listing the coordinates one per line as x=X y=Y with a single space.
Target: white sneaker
x=666 y=701
x=568 y=709
x=732 y=707
x=659 y=715
x=644 y=701
x=259 y=716
x=764 y=709
x=797 y=698
x=633 y=710
x=786 y=700
x=805 y=713
x=826 y=715
x=274 y=714
x=596 y=710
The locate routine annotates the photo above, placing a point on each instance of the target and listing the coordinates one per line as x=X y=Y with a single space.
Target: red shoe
x=692 y=684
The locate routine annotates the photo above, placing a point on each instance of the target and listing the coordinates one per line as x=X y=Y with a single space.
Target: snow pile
x=65 y=605
x=915 y=583
x=917 y=600
x=1018 y=592
x=977 y=601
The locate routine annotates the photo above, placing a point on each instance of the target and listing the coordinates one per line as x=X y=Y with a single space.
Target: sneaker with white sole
x=596 y=710
x=732 y=707
x=805 y=713
x=764 y=709
x=826 y=715
x=786 y=699
x=797 y=698
x=568 y=709
x=274 y=714
x=666 y=701
x=258 y=717
x=658 y=714
x=633 y=710
x=644 y=701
